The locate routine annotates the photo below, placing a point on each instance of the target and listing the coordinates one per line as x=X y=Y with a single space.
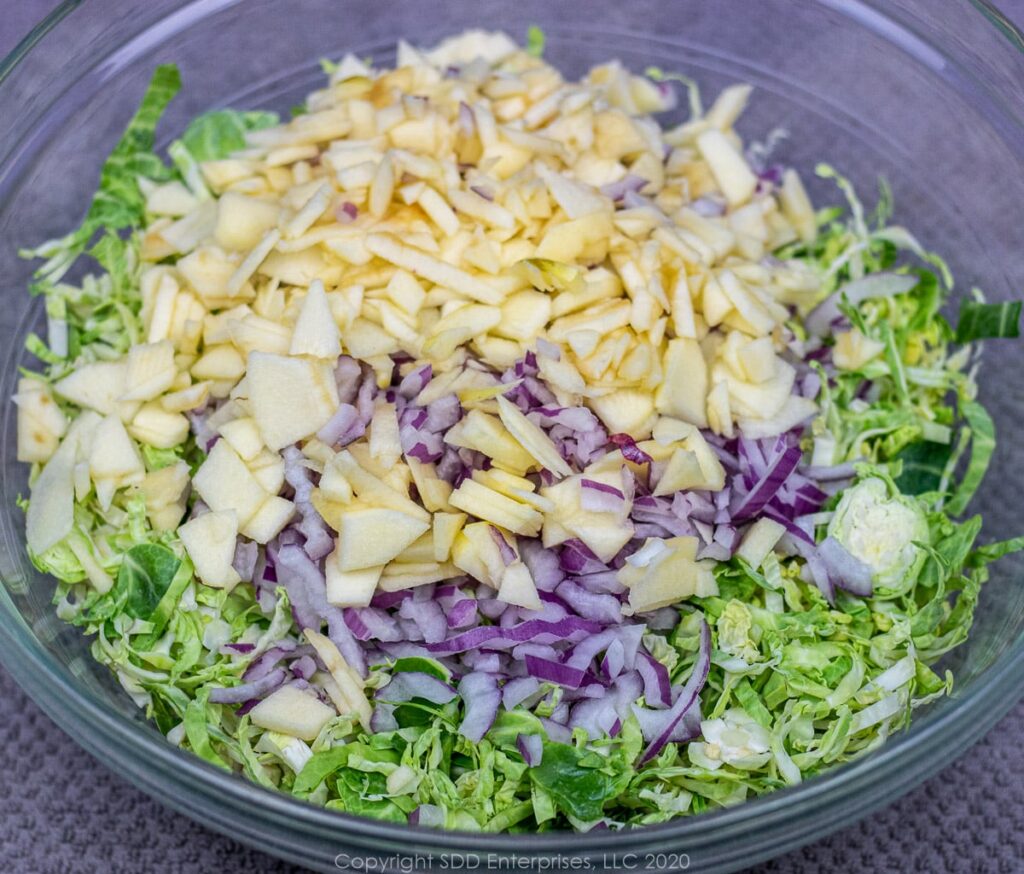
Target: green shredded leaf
x=988 y=320
x=535 y=40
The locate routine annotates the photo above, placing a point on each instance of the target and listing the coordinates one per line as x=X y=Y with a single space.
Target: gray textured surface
x=65 y=812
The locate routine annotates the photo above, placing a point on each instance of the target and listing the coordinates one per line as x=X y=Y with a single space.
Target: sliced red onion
x=266 y=663
x=255 y=689
x=768 y=484
x=428 y=617
x=556 y=732
x=346 y=213
x=601 y=608
x=531 y=747
x=508 y=554
x=505 y=638
x=246 y=554
x=415 y=381
x=688 y=697
x=657 y=686
x=614 y=660
x=482 y=191
x=630 y=451
x=428 y=816
x=481 y=696
x=542 y=563
x=347 y=374
x=617 y=190
x=462 y=614
x=516 y=691
x=554 y=672
x=709 y=206
x=338 y=425
x=596 y=716
x=303 y=667
x=443 y=413
x=846 y=570
x=601 y=498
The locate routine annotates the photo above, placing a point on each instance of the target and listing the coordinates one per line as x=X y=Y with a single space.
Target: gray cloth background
x=62 y=811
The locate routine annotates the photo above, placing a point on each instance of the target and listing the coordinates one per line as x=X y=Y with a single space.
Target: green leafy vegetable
x=217 y=134
x=535 y=40
x=144 y=578
x=981 y=320
x=983 y=445
x=118 y=202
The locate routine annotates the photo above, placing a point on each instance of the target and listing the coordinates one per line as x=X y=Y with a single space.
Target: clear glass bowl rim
x=142 y=755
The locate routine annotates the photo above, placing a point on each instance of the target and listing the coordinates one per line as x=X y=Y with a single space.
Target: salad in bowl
x=473 y=451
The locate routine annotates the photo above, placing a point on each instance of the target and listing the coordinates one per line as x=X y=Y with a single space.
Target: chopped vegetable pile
x=470 y=451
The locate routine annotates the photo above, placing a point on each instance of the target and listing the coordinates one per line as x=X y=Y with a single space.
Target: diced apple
x=419 y=551
x=352 y=699
x=524 y=315
x=485 y=433
x=150 y=371
x=333 y=485
x=476 y=552
x=385 y=445
x=291 y=398
x=210 y=542
x=604 y=533
x=350 y=588
x=242 y=220
x=671 y=576
x=113 y=455
x=372 y=490
x=684 y=387
x=269 y=520
x=165 y=491
x=268 y=470
x=407 y=576
x=41 y=423
x=369 y=536
x=156 y=427
x=295 y=712
x=731 y=171
x=96 y=386
x=682 y=472
x=187 y=398
x=50 y=515
x=626 y=411
x=446 y=528
x=222 y=362
x=759 y=539
x=492 y=506
x=315 y=332
x=254 y=333
x=433 y=491
x=532 y=438
x=225 y=483
x=517 y=587
x=243 y=436
x=853 y=349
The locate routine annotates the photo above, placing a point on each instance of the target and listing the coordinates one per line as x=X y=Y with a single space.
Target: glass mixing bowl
x=926 y=94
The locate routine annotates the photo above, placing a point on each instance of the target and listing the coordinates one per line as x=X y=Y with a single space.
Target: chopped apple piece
x=41 y=423
x=532 y=438
x=225 y=483
x=517 y=587
x=372 y=490
x=406 y=576
x=333 y=485
x=446 y=528
x=315 y=332
x=243 y=220
x=669 y=575
x=150 y=371
x=350 y=588
x=187 y=398
x=165 y=491
x=291 y=398
x=604 y=533
x=485 y=433
x=156 y=427
x=759 y=539
x=268 y=470
x=295 y=712
x=732 y=173
x=683 y=471
x=433 y=491
x=475 y=552
x=492 y=506
x=684 y=387
x=352 y=699
x=210 y=542
x=626 y=411
x=113 y=455
x=419 y=551
x=96 y=386
x=369 y=536
x=385 y=445
x=243 y=436
x=269 y=520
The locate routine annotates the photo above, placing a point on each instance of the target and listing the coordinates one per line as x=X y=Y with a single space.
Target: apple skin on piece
x=291 y=398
